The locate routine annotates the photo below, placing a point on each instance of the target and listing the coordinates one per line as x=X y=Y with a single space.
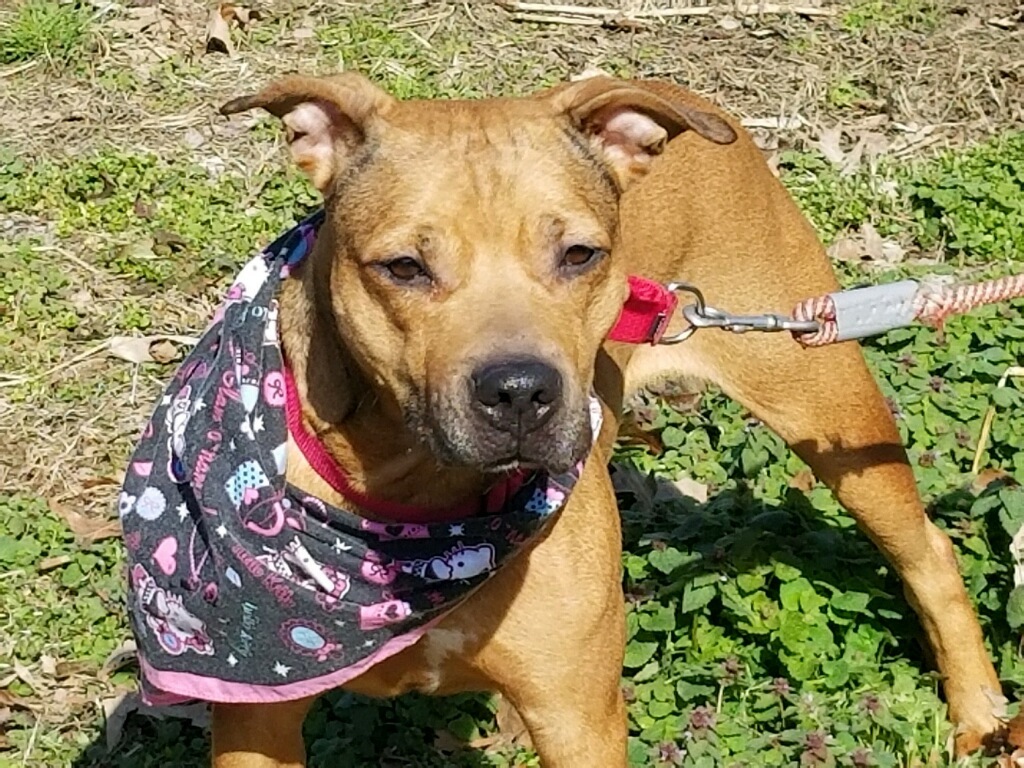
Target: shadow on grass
x=342 y=731
x=733 y=531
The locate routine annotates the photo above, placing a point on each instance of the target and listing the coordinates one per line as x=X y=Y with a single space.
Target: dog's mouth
x=517 y=464
x=458 y=440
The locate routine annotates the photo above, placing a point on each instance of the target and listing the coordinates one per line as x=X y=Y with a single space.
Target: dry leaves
x=118 y=658
x=628 y=479
x=86 y=529
x=683 y=486
x=867 y=147
x=511 y=725
x=586 y=74
x=148 y=349
x=867 y=245
x=511 y=732
x=631 y=432
x=804 y=480
x=218 y=30
x=648 y=489
x=117 y=709
x=138 y=19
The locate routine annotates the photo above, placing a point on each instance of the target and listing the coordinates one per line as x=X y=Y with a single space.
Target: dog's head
x=468 y=253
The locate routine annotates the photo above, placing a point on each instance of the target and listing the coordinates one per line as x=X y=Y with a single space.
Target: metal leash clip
x=700 y=315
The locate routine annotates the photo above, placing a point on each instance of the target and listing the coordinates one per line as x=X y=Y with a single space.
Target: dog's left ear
x=327 y=118
x=629 y=124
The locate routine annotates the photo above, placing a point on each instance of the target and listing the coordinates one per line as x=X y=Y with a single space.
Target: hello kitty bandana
x=244 y=588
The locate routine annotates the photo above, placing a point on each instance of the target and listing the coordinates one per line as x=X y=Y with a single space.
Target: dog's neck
x=380 y=457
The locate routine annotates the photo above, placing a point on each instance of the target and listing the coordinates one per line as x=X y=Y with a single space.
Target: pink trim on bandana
x=180 y=687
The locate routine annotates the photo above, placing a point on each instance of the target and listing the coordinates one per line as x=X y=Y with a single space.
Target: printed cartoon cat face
x=464 y=562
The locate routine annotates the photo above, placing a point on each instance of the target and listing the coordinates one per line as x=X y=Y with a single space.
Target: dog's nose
x=517 y=396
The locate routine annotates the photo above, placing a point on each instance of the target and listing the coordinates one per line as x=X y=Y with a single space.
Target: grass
x=56 y=32
x=764 y=629
x=915 y=15
x=734 y=605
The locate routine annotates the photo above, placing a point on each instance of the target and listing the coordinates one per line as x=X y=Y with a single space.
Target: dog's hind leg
x=260 y=735
x=825 y=404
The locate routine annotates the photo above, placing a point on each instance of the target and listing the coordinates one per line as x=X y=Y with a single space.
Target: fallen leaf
x=9 y=701
x=172 y=240
x=86 y=529
x=631 y=433
x=137 y=19
x=193 y=139
x=446 y=741
x=67 y=669
x=803 y=480
x=48 y=665
x=218 y=34
x=50 y=563
x=511 y=726
x=867 y=245
x=486 y=742
x=683 y=486
x=120 y=656
x=628 y=479
x=95 y=482
x=25 y=675
x=143 y=209
x=845 y=249
x=82 y=299
x=117 y=709
x=774 y=123
x=729 y=23
x=139 y=250
x=877 y=248
x=1015 y=731
x=1002 y=22
x=869 y=147
x=145 y=349
x=589 y=72
x=828 y=144
x=163 y=351
x=986 y=478
x=244 y=16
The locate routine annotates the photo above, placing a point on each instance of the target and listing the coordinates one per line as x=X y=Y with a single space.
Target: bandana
x=245 y=588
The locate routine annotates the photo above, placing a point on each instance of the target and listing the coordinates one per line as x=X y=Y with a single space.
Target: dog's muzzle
x=511 y=412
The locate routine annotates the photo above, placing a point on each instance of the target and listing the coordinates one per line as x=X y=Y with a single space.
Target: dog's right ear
x=326 y=118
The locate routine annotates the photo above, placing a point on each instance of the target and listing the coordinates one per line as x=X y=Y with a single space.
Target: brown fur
x=486 y=192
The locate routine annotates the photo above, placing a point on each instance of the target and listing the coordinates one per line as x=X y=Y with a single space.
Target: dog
x=450 y=327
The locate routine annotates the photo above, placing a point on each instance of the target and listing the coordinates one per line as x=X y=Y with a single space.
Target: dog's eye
x=576 y=256
x=405 y=269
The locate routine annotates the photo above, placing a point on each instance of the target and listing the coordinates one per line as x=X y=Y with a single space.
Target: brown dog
x=462 y=237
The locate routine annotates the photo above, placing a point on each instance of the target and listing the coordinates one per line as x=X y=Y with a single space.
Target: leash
x=816 y=322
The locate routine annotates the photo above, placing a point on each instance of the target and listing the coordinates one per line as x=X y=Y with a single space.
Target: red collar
x=644 y=319
x=646 y=313
x=331 y=473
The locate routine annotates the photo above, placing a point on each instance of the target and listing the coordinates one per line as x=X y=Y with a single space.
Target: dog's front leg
x=576 y=717
x=260 y=735
x=557 y=656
